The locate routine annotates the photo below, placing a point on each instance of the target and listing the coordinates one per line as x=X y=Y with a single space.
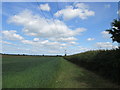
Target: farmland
x=47 y=72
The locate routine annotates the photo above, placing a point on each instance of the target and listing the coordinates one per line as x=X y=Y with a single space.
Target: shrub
x=103 y=62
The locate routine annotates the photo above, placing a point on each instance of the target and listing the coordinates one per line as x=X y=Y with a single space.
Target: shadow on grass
x=91 y=80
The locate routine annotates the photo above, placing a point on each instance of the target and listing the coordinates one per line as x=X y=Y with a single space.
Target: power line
x=42 y=12
x=58 y=9
x=53 y=21
x=51 y=17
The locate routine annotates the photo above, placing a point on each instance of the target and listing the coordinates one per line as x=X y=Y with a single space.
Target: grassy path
x=72 y=76
x=47 y=72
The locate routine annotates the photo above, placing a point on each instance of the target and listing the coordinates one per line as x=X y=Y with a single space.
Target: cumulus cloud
x=47 y=34
x=35 y=25
x=77 y=49
x=80 y=10
x=46 y=44
x=105 y=45
x=91 y=39
x=44 y=7
x=36 y=39
x=105 y=34
x=64 y=39
x=11 y=35
x=5 y=42
x=82 y=6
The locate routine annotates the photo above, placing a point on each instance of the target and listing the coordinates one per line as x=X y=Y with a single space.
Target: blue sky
x=51 y=27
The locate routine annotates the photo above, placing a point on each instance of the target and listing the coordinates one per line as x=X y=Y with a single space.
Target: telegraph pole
x=65 y=53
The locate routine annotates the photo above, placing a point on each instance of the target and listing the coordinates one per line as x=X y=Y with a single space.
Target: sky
x=50 y=28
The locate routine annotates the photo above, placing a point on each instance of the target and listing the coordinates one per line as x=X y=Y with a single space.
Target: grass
x=29 y=71
x=47 y=72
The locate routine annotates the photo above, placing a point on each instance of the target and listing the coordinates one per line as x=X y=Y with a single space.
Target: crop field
x=47 y=72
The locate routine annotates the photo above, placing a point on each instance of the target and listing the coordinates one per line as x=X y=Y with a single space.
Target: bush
x=103 y=62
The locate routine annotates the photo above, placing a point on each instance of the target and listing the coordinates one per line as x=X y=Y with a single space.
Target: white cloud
x=44 y=7
x=5 y=42
x=46 y=44
x=36 y=39
x=35 y=25
x=105 y=34
x=77 y=49
x=107 y=5
x=81 y=6
x=73 y=43
x=48 y=35
x=91 y=39
x=11 y=35
x=78 y=30
x=62 y=39
x=81 y=10
x=107 y=45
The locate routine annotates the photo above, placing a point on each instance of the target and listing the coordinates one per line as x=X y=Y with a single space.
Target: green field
x=48 y=72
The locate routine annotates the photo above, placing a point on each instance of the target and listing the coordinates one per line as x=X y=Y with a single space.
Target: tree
x=115 y=31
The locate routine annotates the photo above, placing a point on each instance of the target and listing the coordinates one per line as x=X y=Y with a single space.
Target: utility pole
x=65 y=53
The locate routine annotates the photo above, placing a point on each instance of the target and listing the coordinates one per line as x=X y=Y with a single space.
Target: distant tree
x=115 y=31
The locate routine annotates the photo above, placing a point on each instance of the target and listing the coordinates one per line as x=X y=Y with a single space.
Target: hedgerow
x=103 y=62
